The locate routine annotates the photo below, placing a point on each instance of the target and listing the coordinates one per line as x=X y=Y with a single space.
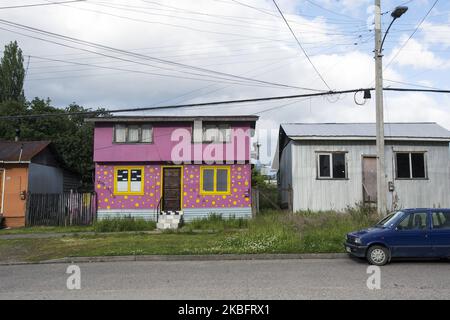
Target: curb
x=217 y=257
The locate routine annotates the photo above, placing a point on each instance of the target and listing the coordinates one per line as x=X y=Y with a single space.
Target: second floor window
x=331 y=165
x=132 y=133
x=410 y=165
x=216 y=133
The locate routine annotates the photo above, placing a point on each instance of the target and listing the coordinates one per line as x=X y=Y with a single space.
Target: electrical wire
x=301 y=46
x=40 y=4
x=137 y=55
x=215 y=103
x=412 y=35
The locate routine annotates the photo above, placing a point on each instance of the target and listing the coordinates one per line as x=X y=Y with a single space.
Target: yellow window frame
x=129 y=168
x=215 y=192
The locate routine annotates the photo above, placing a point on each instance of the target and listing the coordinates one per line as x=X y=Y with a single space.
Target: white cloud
x=238 y=40
x=436 y=34
x=417 y=55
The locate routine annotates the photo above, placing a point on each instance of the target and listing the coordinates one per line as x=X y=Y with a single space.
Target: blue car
x=409 y=233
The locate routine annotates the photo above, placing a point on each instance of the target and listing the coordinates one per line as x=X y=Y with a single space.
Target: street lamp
x=381 y=176
x=397 y=13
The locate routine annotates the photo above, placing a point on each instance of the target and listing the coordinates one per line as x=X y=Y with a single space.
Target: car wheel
x=378 y=255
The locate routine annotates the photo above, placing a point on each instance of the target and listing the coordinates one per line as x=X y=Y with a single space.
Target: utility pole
x=381 y=176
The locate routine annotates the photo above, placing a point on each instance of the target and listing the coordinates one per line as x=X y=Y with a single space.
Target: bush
x=123 y=224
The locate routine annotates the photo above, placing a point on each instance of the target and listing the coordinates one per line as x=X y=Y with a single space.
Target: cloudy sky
x=142 y=53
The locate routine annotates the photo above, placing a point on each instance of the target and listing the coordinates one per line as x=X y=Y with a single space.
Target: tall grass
x=215 y=222
x=123 y=224
x=266 y=234
x=283 y=232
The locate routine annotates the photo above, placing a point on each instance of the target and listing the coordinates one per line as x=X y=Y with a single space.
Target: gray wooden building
x=331 y=166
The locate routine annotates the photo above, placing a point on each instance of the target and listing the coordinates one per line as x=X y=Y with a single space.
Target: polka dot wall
x=104 y=186
x=240 y=189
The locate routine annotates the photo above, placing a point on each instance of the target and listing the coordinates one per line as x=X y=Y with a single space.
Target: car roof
x=425 y=209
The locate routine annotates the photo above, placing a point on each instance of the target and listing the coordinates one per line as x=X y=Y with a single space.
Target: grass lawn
x=29 y=230
x=270 y=232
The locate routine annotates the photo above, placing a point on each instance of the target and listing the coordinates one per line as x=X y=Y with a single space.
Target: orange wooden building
x=28 y=167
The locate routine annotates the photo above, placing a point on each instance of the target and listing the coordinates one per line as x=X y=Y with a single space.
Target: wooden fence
x=64 y=209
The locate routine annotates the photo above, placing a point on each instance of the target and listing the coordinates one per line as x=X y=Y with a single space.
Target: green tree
x=12 y=74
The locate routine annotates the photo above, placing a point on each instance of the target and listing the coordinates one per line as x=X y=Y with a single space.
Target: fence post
x=27 y=210
x=255 y=201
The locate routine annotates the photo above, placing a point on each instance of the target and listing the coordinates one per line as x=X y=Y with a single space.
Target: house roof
x=10 y=151
x=419 y=131
x=240 y=118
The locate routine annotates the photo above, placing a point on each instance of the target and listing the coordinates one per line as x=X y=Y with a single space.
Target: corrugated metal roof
x=10 y=150
x=175 y=118
x=399 y=130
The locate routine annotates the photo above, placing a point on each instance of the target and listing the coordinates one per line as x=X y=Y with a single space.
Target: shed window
x=215 y=180
x=410 y=165
x=133 y=133
x=128 y=181
x=332 y=165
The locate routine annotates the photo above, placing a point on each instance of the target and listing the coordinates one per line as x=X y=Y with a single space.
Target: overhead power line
x=214 y=103
x=41 y=4
x=300 y=45
x=331 y=11
x=412 y=35
x=208 y=72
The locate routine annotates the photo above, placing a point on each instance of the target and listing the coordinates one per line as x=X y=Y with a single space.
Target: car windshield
x=389 y=220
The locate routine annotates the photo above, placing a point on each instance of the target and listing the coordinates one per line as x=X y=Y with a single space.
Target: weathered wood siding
x=314 y=194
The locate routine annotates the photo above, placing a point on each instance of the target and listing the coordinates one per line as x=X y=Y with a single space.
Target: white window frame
x=409 y=153
x=140 y=128
x=226 y=127
x=331 y=155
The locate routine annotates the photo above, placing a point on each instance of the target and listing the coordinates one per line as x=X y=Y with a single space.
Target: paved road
x=266 y=279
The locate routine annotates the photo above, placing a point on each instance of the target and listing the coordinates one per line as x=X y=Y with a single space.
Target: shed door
x=171 y=189
x=369 y=179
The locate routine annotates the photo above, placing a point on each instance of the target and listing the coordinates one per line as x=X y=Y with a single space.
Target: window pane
x=122 y=181
x=136 y=181
x=147 y=134
x=222 y=180
x=121 y=133
x=210 y=133
x=403 y=170
x=208 y=180
x=339 y=165
x=441 y=220
x=324 y=166
x=133 y=134
x=224 y=133
x=418 y=165
x=414 y=221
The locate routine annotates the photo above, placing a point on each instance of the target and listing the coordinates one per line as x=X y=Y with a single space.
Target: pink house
x=190 y=166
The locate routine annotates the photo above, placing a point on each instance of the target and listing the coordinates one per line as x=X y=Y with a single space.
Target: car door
x=440 y=232
x=411 y=236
